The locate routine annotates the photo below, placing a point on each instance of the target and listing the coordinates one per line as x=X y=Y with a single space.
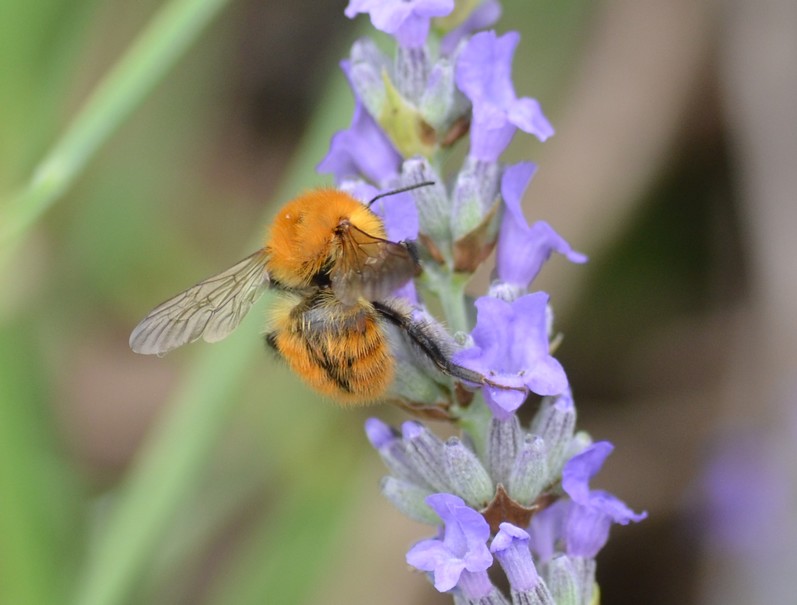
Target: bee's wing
x=371 y=267
x=211 y=309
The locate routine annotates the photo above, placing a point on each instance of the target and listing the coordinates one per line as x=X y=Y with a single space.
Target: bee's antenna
x=401 y=190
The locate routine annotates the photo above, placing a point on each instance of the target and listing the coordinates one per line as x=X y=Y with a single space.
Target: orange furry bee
x=328 y=256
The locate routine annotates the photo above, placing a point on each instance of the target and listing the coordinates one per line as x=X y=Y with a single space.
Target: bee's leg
x=432 y=340
x=270 y=339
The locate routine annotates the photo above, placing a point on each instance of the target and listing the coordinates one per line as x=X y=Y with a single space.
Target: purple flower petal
x=546 y=530
x=488 y=138
x=359 y=189
x=431 y=555
x=527 y=115
x=592 y=511
x=587 y=527
x=476 y=587
x=484 y=68
x=482 y=17
x=362 y=150
x=412 y=430
x=407 y=20
x=506 y=537
x=504 y=402
x=464 y=526
x=379 y=433
x=484 y=74
x=586 y=530
x=617 y=510
x=408 y=292
x=522 y=250
x=447 y=574
x=581 y=468
x=400 y=216
x=511 y=347
x=462 y=547
x=398 y=211
x=575 y=481
x=513 y=184
x=511 y=547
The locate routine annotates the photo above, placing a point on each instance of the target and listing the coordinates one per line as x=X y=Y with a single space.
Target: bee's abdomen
x=346 y=357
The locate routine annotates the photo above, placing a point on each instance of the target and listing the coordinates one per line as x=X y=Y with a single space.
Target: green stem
x=153 y=53
x=475 y=421
x=450 y=289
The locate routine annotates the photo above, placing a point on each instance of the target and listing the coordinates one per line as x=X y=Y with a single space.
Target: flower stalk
x=449 y=288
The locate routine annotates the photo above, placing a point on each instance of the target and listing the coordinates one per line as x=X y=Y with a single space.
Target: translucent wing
x=211 y=309
x=371 y=267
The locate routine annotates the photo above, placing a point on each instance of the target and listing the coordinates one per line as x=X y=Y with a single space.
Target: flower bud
x=403 y=123
x=581 y=441
x=411 y=73
x=425 y=454
x=584 y=569
x=409 y=499
x=562 y=581
x=511 y=547
x=475 y=192
x=434 y=207
x=391 y=449
x=466 y=475
x=368 y=63
x=529 y=473
x=503 y=442
x=441 y=103
x=555 y=423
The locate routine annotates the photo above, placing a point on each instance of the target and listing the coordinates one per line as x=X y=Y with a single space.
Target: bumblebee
x=328 y=257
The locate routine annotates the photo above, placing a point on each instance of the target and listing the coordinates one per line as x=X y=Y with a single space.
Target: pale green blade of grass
x=40 y=517
x=39 y=42
x=152 y=54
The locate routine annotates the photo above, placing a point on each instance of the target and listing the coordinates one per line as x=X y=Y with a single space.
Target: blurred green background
x=142 y=147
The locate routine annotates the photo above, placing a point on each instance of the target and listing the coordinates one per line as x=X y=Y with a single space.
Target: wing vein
x=210 y=309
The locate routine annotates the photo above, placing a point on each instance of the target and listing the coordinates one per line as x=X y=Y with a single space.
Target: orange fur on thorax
x=302 y=237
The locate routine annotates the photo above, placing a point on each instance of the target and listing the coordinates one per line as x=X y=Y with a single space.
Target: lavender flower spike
x=511 y=346
x=522 y=250
x=529 y=487
x=484 y=74
x=463 y=547
x=407 y=20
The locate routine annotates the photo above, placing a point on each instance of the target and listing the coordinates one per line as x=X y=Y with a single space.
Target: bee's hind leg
x=270 y=339
x=431 y=339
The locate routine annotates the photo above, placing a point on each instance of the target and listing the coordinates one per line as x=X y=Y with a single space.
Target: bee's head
x=306 y=236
